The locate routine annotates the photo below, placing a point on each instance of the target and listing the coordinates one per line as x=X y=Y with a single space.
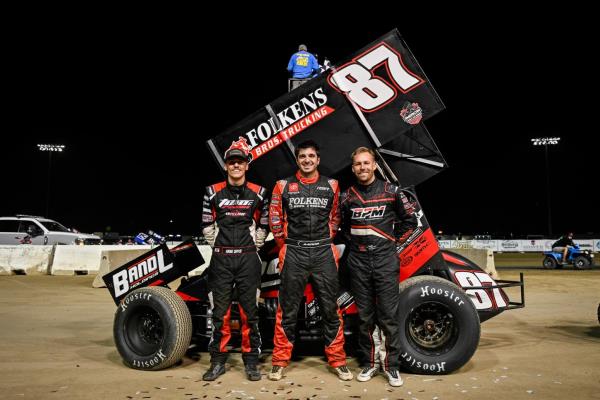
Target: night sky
x=137 y=101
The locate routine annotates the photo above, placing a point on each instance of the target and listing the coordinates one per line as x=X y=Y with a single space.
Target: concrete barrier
x=25 y=259
x=112 y=259
x=484 y=258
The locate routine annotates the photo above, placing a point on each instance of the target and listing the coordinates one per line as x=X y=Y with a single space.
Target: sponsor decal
x=510 y=244
x=411 y=113
x=207 y=218
x=322 y=188
x=226 y=203
x=275 y=220
x=434 y=367
x=157 y=359
x=235 y=214
x=292 y=121
x=368 y=212
x=241 y=144
x=227 y=251
x=139 y=273
x=293 y=187
x=310 y=202
x=136 y=296
x=428 y=291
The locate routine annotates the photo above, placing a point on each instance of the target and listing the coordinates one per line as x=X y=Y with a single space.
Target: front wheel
x=549 y=263
x=581 y=262
x=152 y=328
x=439 y=326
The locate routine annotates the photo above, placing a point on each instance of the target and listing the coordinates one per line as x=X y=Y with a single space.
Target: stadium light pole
x=50 y=148
x=547 y=141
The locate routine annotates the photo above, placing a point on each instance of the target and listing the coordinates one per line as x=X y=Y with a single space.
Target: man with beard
x=234 y=220
x=304 y=218
x=375 y=221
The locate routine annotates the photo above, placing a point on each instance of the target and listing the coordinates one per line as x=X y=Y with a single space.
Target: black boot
x=252 y=372
x=215 y=370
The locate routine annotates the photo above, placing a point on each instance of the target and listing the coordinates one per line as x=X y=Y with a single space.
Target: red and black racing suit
x=240 y=214
x=304 y=218
x=375 y=220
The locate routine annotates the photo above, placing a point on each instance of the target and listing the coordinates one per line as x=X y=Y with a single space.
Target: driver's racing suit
x=304 y=218
x=234 y=220
x=375 y=219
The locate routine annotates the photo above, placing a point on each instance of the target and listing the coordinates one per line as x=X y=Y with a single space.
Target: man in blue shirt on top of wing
x=302 y=64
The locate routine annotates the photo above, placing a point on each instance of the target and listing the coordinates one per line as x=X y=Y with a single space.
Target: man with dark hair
x=304 y=218
x=562 y=245
x=234 y=220
x=376 y=218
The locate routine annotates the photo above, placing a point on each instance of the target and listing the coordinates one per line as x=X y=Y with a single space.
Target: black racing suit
x=304 y=218
x=234 y=220
x=375 y=221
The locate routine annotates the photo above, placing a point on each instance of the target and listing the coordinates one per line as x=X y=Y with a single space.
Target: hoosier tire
x=439 y=326
x=152 y=328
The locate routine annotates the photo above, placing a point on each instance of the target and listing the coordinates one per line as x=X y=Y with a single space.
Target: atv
x=444 y=297
x=580 y=259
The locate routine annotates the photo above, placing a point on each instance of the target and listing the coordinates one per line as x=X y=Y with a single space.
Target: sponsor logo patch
x=293 y=187
x=411 y=113
x=368 y=212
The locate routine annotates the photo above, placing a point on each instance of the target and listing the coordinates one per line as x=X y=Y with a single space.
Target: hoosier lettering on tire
x=152 y=328
x=439 y=326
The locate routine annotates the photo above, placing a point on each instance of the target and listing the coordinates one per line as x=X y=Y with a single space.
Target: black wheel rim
x=144 y=331
x=432 y=328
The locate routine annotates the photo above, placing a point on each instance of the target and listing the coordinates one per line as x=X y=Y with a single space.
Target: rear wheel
x=439 y=326
x=549 y=262
x=152 y=328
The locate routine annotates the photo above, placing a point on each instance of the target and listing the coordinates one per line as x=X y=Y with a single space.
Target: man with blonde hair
x=376 y=218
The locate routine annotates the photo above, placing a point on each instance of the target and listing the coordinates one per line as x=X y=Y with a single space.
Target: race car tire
x=581 y=262
x=152 y=328
x=549 y=263
x=439 y=326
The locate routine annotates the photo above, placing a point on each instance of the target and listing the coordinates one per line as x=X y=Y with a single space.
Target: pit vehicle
x=31 y=229
x=580 y=259
x=378 y=98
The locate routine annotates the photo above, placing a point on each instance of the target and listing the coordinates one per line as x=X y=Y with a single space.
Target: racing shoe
x=276 y=373
x=343 y=373
x=252 y=372
x=367 y=373
x=394 y=378
x=215 y=370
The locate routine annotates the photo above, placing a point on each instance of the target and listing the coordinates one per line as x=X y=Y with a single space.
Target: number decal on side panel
x=480 y=297
x=370 y=92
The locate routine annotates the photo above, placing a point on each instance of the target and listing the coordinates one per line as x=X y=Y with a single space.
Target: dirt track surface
x=56 y=343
